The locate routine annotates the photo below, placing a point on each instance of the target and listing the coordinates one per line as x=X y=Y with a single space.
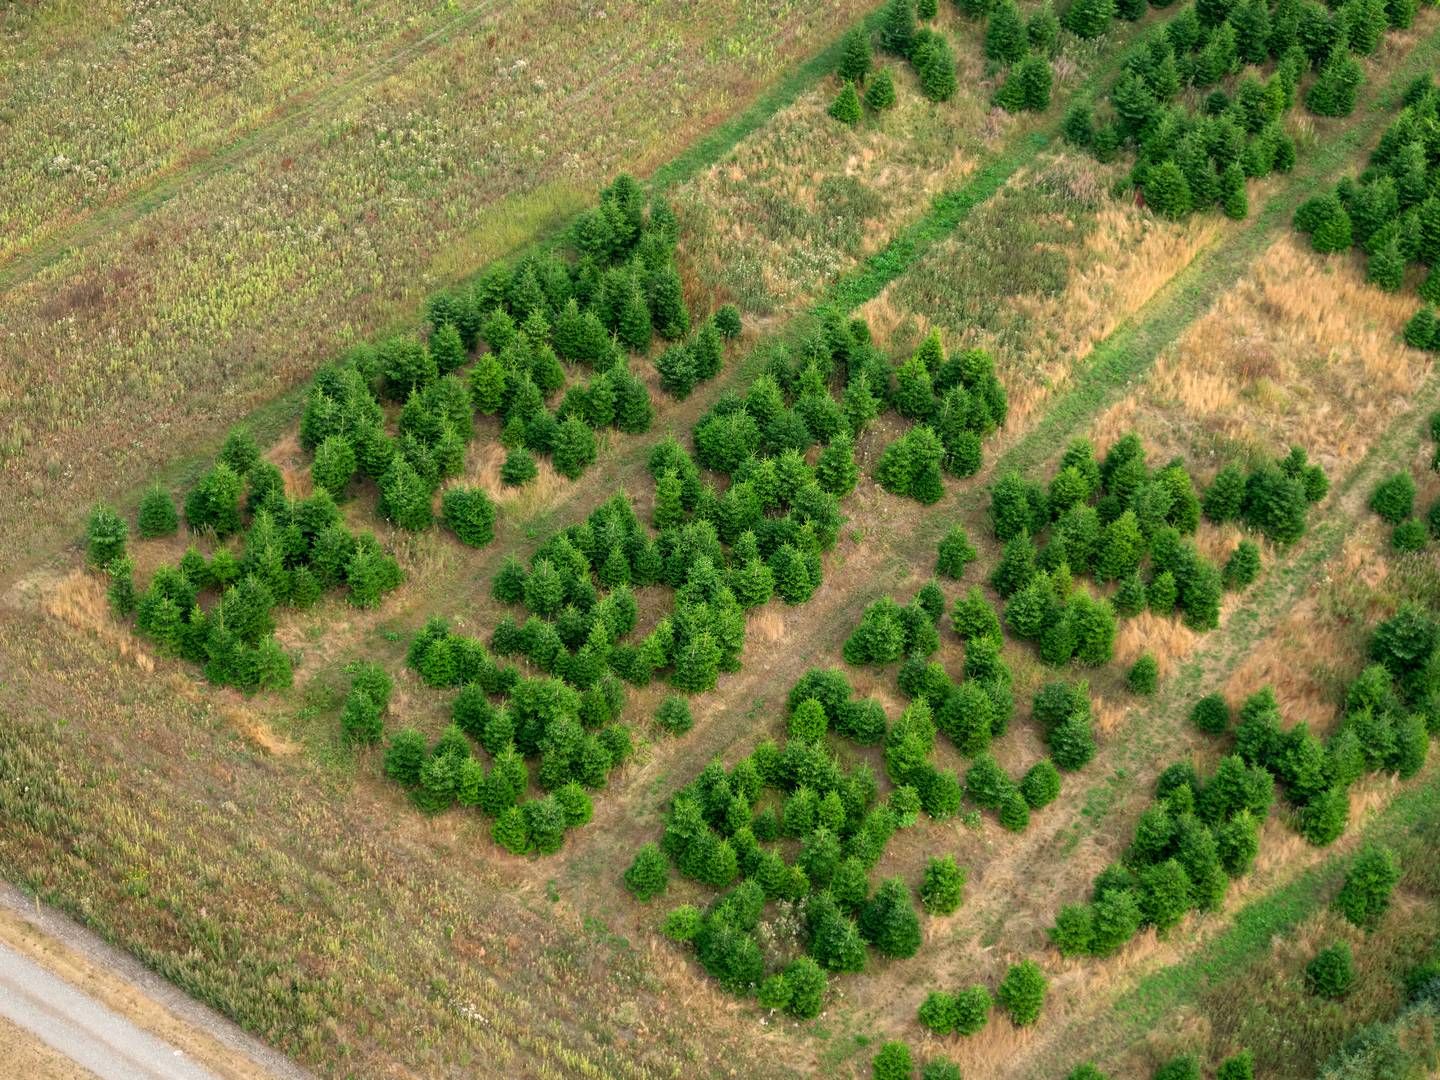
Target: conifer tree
x=404 y=498
x=334 y=466
x=519 y=468
x=105 y=535
x=574 y=448
x=405 y=756
x=121 y=591
x=793 y=582
x=678 y=375
x=897 y=27
x=727 y=321
x=157 y=513
x=649 y=874
x=1423 y=330
x=855 y=56
x=888 y=920
x=1089 y=18
x=633 y=326
x=846 y=106
x=835 y=469
x=1385 y=268
x=1042 y=29
x=1005 y=38
x=1027 y=87
x=935 y=65
x=708 y=351
x=1166 y=190
x=1243 y=566
x=470 y=515
x=880 y=94
x=1022 y=992
x=1365 y=895
x=447 y=348
x=955 y=553
x=667 y=303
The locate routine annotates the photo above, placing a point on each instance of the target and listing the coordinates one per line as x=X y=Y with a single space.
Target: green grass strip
x=1404 y=825
x=946 y=212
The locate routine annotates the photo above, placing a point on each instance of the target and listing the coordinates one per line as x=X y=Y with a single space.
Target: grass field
x=193 y=299
x=237 y=846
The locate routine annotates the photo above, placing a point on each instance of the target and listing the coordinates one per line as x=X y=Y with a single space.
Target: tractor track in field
x=77 y=229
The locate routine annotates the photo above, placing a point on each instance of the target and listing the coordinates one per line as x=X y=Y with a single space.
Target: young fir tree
x=897 y=27
x=855 y=56
x=469 y=514
x=121 y=592
x=955 y=553
x=158 y=516
x=648 y=874
x=846 y=106
x=880 y=94
x=935 y=65
x=1422 y=331
x=1005 y=37
x=105 y=535
x=1089 y=18
x=519 y=468
x=1027 y=87
x=835 y=469
x=334 y=466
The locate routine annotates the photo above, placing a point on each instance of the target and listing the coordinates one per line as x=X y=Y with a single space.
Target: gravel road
x=108 y=1014
x=87 y=1032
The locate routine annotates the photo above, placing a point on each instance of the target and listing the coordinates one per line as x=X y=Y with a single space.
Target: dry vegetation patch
x=1300 y=351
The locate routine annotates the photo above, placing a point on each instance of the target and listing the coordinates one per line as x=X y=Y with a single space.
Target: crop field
x=630 y=542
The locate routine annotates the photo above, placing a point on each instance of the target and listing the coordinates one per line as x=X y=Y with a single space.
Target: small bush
x=649 y=874
x=1331 y=973
x=1365 y=896
x=1022 y=992
x=1211 y=715
x=158 y=516
x=1394 y=498
x=943 y=888
x=1143 y=675
x=893 y=1062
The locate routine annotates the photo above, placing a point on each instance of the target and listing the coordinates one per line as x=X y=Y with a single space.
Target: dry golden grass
x=1300 y=351
x=1128 y=258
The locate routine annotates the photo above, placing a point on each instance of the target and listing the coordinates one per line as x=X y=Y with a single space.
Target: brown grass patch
x=78 y=600
x=1300 y=351
x=1127 y=258
x=1164 y=637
